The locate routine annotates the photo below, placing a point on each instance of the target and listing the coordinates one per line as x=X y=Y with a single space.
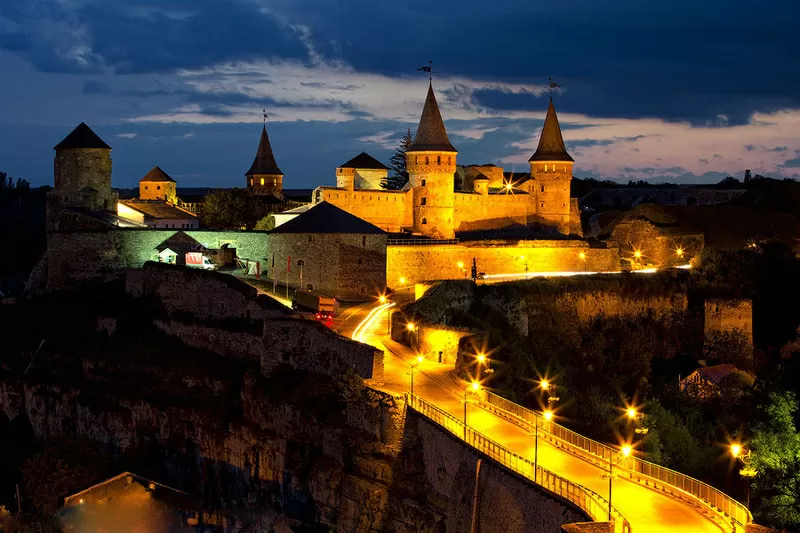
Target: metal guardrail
x=419 y=242
x=595 y=505
x=636 y=469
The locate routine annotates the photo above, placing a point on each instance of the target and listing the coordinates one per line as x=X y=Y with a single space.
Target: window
x=416 y=159
x=310 y=238
x=545 y=168
x=145 y=187
x=274 y=182
x=542 y=188
x=542 y=204
x=423 y=201
x=422 y=182
x=158 y=187
x=262 y=181
x=251 y=182
x=427 y=160
x=363 y=241
x=340 y=171
x=360 y=261
x=424 y=221
x=448 y=159
x=438 y=160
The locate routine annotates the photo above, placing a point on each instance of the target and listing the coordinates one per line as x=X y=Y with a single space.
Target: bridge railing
x=595 y=505
x=637 y=469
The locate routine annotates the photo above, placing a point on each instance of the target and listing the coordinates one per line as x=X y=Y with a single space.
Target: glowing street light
x=582 y=257
x=626 y=450
x=736 y=450
x=402 y=280
x=481 y=357
x=637 y=254
x=631 y=412
x=748 y=471
x=382 y=299
x=508 y=187
x=544 y=384
x=548 y=415
x=461 y=264
x=410 y=326
x=679 y=251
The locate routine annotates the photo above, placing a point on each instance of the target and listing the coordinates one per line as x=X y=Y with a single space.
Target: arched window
x=542 y=188
x=300 y=263
x=427 y=160
x=438 y=160
x=251 y=182
x=262 y=181
x=423 y=201
x=416 y=159
x=448 y=159
x=424 y=220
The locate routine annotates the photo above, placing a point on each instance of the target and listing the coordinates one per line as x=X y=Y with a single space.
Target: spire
x=431 y=133
x=81 y=137
x=551 y=143
x=264 y=163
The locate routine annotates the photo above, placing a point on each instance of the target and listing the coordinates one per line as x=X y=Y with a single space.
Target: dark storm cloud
x=142 y=36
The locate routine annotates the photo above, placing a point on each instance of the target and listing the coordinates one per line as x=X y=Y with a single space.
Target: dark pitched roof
x=717 y=373
x=156 y=174
x=481 y=177
x=431 y=133
x=81 y=137
x=264 y=163
x=551 y=143
x=327 y=218
x=364 y=160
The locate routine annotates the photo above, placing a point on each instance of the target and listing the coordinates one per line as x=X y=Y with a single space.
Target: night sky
x=684 y=90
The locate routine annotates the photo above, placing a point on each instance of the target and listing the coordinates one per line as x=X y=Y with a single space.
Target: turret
x=551 y=170
x=264 y=176
x=431 y=166
x=361 y=172
x=158 y=185
x=82 y=175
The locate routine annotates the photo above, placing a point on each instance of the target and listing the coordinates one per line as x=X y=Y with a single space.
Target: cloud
x=388 y=140
x=127 y=135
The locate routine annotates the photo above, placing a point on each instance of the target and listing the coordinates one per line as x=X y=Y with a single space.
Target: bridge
x=608 y=485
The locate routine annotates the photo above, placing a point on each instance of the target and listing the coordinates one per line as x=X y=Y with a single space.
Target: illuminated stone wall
x=658 y=247
x=340 y=265
x=425 y=263
x=551 y=185
x=158 y=190
x=475 y=211
x=389 y=210
x=431 y=176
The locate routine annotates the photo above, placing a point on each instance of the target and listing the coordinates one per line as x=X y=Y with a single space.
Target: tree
x=399 y=175
x=775 y=452
x=266 y=224
x=233 y=209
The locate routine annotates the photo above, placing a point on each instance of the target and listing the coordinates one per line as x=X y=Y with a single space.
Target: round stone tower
x=431 y=166
x=551 y=170
x=82 y=175
x=264 y=176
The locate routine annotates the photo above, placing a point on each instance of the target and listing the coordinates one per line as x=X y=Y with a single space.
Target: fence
x=419 y=242
x=595 y=505
x=635 y=468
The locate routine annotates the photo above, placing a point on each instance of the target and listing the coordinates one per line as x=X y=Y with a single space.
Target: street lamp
x=544 y=384
x=402 y=281
x=474 y=387
x=625 y=451
x=413 y=366
x=747 y=472
x=631 y=412
x=679 y=252
x=582 y=257
x=481 y=357
x=412 y=328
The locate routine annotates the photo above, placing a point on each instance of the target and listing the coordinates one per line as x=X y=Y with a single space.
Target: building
x=264 y=177
x=435 y=205
x=706 y=382
x=157 y=205
x=128 y=502
x=328 y=250
x=361 y=172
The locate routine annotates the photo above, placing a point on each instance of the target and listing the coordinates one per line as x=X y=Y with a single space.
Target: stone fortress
x=364 y=240
x=442 y=200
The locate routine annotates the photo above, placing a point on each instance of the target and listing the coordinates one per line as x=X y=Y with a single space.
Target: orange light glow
x=402 y=280
x=626 y=450
x=420 y=359
x=544 y=384
x=631 y=412
x=637 y=254
x=548 y=415
x=481 y=358
x=476 y=386
x=461 y=264
x=410 y=326
x=382 y=299
x=679 y=251
x=736 y=450
x=582 y=255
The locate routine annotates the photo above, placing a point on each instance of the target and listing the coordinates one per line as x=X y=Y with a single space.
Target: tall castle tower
x=551 y=170
x=264 y=176
x=82 y=174
x=431 y=165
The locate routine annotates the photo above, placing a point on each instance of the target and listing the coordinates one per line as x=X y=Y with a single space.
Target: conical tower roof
x=551 y=143
x=156 y=174
x=81 y=137
x=264 y=163
x=431 y=133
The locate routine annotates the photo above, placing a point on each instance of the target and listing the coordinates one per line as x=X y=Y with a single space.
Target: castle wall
x=657 y=247
x=389 y=210
x=160 y=190
x=341 y=265
x=495 y=211
x=79 y=256
x=727 y=314
x=425 y=263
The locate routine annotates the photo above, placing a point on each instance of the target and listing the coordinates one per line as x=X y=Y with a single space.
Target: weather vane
x=264 y=113
x=552 y=86
x=428 y=69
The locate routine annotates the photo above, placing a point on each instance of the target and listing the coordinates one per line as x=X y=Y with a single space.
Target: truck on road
x=200 y=260
x=323 y=307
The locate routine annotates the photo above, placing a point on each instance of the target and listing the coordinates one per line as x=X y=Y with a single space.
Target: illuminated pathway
x=647 y=510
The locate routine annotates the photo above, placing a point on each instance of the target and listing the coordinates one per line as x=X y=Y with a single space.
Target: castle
x=442 y=200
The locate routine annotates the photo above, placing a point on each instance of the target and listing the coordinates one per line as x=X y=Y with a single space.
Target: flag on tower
x=424 y=69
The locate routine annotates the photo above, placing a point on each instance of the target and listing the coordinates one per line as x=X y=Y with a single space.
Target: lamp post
x=548 y=415
x=747 y=472
x=582 y=257
x=625 y=451
x=412 y=328
x=637 y=256
x=413 y=366
x=475 y=387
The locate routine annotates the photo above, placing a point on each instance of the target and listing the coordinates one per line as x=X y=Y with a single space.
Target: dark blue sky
x=682 y=90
